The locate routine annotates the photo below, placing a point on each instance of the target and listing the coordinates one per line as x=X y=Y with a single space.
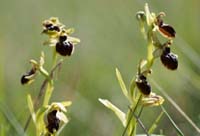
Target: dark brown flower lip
x=143 y=85
x=170 y=61
x=50 y=27
x=47 y=25
x=53 y=121
x=64 y=48
x=167 y=30
x=25 y=79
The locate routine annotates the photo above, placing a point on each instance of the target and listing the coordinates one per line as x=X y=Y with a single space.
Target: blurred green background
x=110 y=38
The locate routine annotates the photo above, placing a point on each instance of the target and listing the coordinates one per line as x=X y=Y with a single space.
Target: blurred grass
x=110 y=38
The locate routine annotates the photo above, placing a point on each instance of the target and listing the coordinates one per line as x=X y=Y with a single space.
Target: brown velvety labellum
x=144 y=87
x=53 y=122
x=64 y=48
x=170 y=61
x=167 y=31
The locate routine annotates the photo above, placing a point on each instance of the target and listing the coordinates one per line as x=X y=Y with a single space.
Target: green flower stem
x=49 y=88
x=39 y=128
x=130 y=119
x=48 y=93
x=54 y=57
x=141 y=124
x=150 y=49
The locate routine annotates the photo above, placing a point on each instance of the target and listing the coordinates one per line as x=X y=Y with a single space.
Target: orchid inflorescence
x=49 y=118
x=140 y=93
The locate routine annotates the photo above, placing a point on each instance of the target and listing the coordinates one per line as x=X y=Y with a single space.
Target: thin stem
x=176 y=106
x=48 y=93
x=141 y=124
x=140 y=111
x=150 y=49
x=132 y=114
x=54 y=57
x=171 y=120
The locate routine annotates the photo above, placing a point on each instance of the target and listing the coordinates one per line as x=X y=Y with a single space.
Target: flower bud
x=140 y=16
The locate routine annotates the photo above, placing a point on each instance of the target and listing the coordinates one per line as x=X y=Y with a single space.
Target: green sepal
x=157 y=52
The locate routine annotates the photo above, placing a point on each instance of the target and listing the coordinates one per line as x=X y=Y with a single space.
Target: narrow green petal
x=66 y=103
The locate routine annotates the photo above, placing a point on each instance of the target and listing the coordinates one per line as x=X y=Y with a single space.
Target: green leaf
x=122 y=84
x=31 y=107
x=132 y=89
x=121 y=115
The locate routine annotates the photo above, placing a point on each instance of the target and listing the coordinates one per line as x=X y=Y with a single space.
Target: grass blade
x=176 y=106
x=172 y=122
x=12 y=120
x=154 y=125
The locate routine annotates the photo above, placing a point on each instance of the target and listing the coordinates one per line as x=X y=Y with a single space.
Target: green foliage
x=110 y=38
